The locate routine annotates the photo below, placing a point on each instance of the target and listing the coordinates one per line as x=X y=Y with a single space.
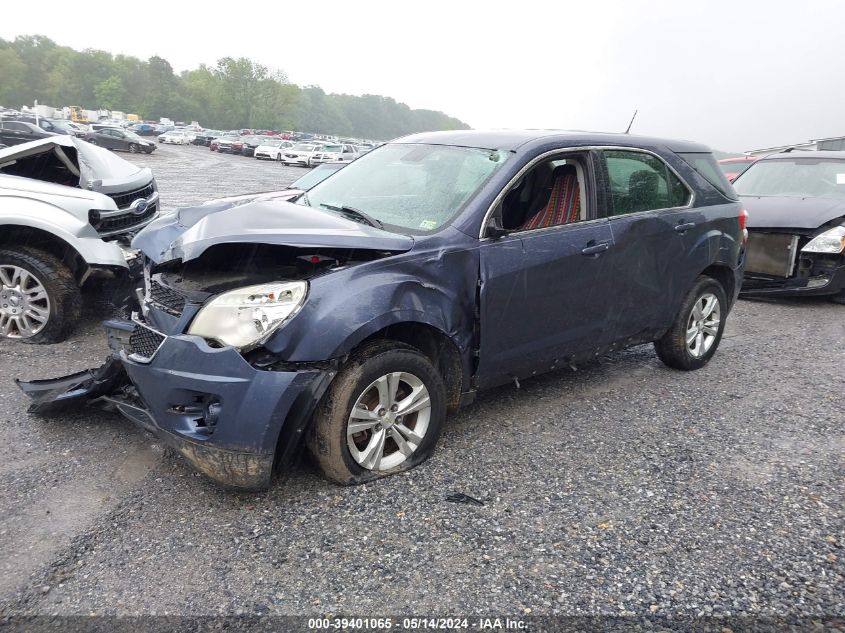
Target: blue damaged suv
x=353 y=320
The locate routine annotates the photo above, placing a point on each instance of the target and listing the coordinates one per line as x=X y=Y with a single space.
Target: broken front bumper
x=230 y=420
x=824 y=276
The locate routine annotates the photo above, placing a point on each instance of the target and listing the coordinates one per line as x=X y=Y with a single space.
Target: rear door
x=653 y=231
x=546 y=293
x=105 y=138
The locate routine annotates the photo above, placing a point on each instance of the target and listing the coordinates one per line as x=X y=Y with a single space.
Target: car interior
x=550 y=194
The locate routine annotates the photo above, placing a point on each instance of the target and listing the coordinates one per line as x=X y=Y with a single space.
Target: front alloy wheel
x=40 y=301
x=388 y=421
x=382 y=414
x=24 y=304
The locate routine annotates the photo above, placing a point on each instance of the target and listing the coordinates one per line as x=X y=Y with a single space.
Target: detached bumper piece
x=232 y=421
x=58 y=394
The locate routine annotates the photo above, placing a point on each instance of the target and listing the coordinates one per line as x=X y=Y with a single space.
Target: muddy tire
x=387 y=434
x=63 y=304
x=695 y=335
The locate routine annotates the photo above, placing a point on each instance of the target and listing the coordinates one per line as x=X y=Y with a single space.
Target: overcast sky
x=736 y=75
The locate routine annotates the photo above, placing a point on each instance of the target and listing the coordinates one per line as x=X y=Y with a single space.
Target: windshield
x=271 y=143
x=414 y=187
x=330 y=148
x=794 y=177
x=131 y=134
x=315 y=176
x=301 y=147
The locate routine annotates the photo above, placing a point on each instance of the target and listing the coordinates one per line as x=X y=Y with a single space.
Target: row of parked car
x=14 y=131
x=302 y=153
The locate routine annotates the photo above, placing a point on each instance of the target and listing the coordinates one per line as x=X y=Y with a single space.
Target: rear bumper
x=231 y=421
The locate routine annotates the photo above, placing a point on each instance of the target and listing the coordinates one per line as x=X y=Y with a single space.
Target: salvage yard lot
x=621 y=487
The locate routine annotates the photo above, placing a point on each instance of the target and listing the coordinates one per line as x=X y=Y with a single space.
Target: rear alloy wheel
x=39 y=299
x=382 y=414
x=695 y=335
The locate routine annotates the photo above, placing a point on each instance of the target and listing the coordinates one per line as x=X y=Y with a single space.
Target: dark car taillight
x=743 y=222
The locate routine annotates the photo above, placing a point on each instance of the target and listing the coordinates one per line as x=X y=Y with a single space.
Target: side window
x=642 y=182
x=552 y=193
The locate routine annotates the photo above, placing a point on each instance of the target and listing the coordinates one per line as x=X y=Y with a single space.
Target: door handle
x=683 y=227
x=595 y=249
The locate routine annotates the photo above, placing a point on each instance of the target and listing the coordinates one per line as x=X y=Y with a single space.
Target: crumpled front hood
x=192 y=230
x=99 y=169
x=775 y=212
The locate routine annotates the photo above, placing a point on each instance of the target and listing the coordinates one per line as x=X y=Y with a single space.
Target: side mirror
x=494 y=229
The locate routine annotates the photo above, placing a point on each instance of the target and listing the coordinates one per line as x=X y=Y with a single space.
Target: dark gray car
x=113 y=138
x=433 y=267
x=17 y=132
x=796 y=207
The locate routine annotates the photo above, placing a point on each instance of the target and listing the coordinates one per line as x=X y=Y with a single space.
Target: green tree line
x=235 y=93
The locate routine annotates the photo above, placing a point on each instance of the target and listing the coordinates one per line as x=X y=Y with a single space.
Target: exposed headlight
x=831 y=241
x=244 y=317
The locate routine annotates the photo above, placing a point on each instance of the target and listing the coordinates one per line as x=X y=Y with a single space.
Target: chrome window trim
x=568 y=150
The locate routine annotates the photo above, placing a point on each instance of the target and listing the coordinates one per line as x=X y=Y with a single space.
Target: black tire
x=327 y=439
x=839 y=297
x=93 y=141
x=133 y=148
x=672 y=347
x=62 y=291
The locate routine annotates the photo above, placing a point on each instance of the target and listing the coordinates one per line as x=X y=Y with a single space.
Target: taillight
x=743 y=221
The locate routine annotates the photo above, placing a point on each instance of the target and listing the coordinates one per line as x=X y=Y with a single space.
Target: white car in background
x=177 y=137
x=340 y=153
x=299 y=154
x=272 y=150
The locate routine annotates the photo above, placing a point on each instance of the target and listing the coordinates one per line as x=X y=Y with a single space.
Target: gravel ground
x=620 y=488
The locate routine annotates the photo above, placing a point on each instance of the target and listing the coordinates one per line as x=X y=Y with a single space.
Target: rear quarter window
x=708 y=168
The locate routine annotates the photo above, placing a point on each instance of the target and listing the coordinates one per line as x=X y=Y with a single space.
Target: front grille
x=123 y=200
x=169 y=300
x=126 y=221
x=144 y=342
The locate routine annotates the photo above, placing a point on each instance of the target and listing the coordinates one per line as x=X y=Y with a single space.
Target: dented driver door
x=546 y=295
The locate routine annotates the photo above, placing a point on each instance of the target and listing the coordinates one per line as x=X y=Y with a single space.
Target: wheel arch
x=725 y=276
x=435 y=345
x=17 y=234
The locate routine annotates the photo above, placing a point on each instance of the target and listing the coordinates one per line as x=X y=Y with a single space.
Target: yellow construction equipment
x=77 y=116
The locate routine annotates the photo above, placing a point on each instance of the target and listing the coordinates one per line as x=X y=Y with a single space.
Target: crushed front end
x=195 y=363
x=231 y=414
x=786 y=262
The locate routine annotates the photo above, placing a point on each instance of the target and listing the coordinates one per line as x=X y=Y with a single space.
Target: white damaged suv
x=68 y=210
